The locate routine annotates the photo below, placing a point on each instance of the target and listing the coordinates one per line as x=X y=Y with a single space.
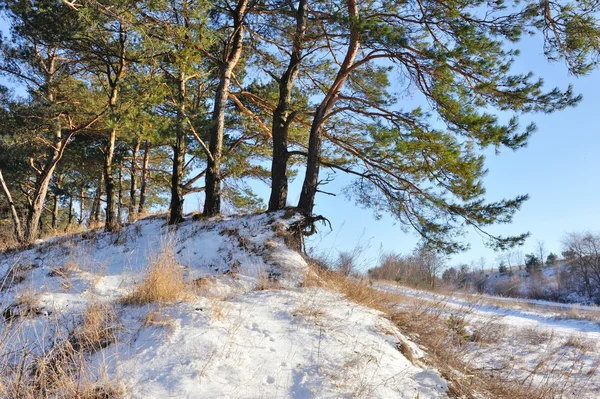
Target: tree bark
x=97 y=204
x=132 y=216
x=55 y=205
x=179 y=150
x=111 y=222
x=115 y=73
x=212 y=203
x=120 y=196
x=70 y=218
x=42 y=181
x=18 y=231
x=144 y=182
x=281 y=115
x=54 y=212
x=313 y=163
x=81 y=206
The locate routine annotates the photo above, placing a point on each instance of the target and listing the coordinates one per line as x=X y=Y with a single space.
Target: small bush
x=458 y=328
x=164 y=282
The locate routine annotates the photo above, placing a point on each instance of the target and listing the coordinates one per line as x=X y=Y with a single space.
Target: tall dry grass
x=164 y=279
x=49 y=358
x=427 y=323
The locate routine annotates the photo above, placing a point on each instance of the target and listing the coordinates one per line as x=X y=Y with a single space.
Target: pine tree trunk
x=212 y=203
x=120 y=196
x=313 y=163
x=97 y=204
x=132 y=216
x=18 y=231
x=70 y=219
x=111 y=223
x=54 y=222
x=144 y=182
x=281 y=116
x=54 y=212
x=315 y=141
x=81 y=206
x=42 y=181
x=179 y=150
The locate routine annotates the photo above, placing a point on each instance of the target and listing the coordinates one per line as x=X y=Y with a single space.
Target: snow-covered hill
x=243 y=327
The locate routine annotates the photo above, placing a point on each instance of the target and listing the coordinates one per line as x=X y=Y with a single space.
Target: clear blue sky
x=559 y=170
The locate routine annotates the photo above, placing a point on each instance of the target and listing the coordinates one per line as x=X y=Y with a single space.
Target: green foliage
x=533 y=264
x=457 y=326
x=502 y=269
x=551 y=260
x=432 y=88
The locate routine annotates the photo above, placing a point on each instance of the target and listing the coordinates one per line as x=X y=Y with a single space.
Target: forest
x=110 y=110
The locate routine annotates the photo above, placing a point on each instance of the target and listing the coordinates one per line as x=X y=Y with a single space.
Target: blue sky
x=559 y=169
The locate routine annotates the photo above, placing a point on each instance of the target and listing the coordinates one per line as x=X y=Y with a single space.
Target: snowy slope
x=231 y=339
x=536 y=342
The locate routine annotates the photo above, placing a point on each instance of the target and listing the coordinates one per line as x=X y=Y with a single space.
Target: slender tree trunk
x=179 y=150
x=133 y=186
x=13 y=210
x=70 y=218
x=111 y=223
x=120 y=196
x=42 y=181
x=144 y=182
x=281 y=115
x=212 y=204
x=54 y=211
x=97 y=204
x=55 y=207
x=313 y=163
x=81 y=206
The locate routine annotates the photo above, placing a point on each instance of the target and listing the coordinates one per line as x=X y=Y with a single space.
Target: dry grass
x=267 y=281
x=310 y=311
x=26 y=305
x=583 y=344
x=16 y=274
x=164 y=281
x=158 y=319
x=426 y=323
x=65 y=270
x=52 y=361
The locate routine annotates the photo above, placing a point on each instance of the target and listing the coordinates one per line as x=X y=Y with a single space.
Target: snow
x=267 y=345
x=233 y=341
x=531 y=342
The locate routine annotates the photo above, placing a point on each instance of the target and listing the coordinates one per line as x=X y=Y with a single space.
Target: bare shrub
x=583 y=253
x=419 y=270
x=506 y=287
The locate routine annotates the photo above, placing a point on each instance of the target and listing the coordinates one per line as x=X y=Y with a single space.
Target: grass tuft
x=164 y=281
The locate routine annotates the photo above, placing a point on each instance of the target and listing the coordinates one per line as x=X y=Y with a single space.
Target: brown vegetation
x=164 y=281
x=427 y=323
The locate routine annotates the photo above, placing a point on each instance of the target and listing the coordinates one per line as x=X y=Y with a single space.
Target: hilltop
x=211 y=308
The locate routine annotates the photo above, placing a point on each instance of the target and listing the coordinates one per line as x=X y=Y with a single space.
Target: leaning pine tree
x=423 y=164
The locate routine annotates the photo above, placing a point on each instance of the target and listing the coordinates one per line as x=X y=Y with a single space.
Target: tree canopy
x=129 y=101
